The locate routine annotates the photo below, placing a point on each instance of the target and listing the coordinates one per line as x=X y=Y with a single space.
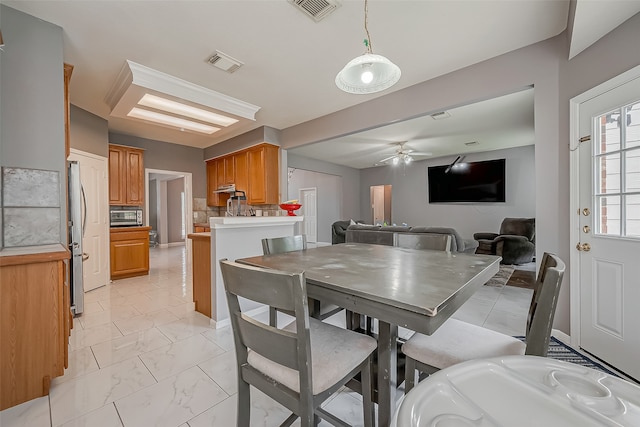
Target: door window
x=617 y=172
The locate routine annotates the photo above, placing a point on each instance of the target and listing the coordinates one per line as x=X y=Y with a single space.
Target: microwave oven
x=125 y=217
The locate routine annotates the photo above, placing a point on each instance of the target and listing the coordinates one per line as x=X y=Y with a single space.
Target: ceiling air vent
x=440 y=115
x=316 y=9
x=224 y=62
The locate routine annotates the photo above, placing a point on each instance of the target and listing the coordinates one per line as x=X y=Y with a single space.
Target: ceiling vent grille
x=224 y=62
x=316 y=9
x=441 y=115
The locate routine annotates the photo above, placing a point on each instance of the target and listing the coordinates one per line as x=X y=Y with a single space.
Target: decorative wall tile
x=199 y=204
x=31 y=226
x=30 y=188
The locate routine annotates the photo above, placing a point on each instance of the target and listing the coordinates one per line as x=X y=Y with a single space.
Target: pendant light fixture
x=368 y=73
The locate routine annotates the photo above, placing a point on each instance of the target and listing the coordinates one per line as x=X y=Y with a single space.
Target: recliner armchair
x=515 y=243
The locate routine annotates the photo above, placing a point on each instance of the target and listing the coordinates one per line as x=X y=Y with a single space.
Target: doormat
x=560 y=351
x=502 y=276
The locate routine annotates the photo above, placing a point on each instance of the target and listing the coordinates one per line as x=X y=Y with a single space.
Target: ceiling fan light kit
x=368 y=73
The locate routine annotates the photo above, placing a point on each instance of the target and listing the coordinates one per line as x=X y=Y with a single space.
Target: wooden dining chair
x=433 y=241
x=278 y=245
x=457 y=341
x=301 y=365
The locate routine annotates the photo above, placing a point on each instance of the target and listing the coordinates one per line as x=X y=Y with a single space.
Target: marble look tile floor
x=141 y=356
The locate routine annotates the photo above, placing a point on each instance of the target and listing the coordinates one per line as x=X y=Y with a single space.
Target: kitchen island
x=230 y=238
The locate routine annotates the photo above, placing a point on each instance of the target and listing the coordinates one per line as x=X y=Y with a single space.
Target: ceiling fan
x=403 y=155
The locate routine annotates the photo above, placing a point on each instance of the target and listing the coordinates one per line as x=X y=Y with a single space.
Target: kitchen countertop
x=33 y=254
x=251 y=221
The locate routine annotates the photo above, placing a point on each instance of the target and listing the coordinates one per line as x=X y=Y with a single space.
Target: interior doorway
x=308 y=197
x=381 y=204
x=169 y=206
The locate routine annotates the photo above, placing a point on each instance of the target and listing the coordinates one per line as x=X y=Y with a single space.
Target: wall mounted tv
x=474 y=182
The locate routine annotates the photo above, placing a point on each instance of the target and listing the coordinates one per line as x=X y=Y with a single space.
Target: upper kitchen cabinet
x=215 y=178
x=263 y=175
x=253 y=170
x=126 y=176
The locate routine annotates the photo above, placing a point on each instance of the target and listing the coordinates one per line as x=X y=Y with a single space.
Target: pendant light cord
x=367 y=41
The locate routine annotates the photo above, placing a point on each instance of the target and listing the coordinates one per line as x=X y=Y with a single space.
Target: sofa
x=383 y=235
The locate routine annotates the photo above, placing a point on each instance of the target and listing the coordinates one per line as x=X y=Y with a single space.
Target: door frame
x=301 y=199
x=574 y=191
x=188 y=185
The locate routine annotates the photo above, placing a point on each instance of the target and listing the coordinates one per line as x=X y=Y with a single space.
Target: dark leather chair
x=339 y=231
x=515 y=242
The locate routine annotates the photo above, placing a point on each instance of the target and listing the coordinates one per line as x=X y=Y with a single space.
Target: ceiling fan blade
x=415 y=153
x=386 y=159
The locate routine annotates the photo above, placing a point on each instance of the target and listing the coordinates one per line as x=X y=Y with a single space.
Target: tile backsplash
x=202 y=212
x=31 y=211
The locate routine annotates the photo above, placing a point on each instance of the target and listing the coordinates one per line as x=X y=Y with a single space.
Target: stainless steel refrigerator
x=76 y=232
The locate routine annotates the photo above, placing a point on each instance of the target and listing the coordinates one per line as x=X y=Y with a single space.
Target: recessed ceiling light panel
x=167 y=120
x=174 y=107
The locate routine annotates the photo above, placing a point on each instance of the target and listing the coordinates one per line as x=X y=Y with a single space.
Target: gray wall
x=410 y=199
x=328 y=198
x=89 y=133
x=174 y=210
x=350 y=183
x=555 y=79
x=240 y=142
x=170 y=157
x=32 y=99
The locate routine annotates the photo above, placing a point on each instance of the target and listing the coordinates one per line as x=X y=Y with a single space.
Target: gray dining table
x=415 y=289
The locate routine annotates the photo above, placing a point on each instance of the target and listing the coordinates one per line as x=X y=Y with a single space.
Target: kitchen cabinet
x=241 y=171
x=253 y=170
x=201 y=244
x=263 y=175
x=34 y=321
x=126 y=176
x=212 y=182
x=129 y=251
x=229 y=169
x=216 y=178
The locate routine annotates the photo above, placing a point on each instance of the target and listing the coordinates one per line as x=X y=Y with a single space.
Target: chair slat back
x=278 y=245
x=274 y=288
x=438 y=242
x=543 y=305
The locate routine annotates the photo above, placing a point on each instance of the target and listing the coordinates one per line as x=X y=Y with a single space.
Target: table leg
x=387 y=372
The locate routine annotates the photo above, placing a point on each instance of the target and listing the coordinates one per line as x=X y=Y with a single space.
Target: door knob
x=586 y=229
x=585 y=247
x=586 y=211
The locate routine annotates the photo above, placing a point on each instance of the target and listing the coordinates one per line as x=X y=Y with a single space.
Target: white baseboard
x=176 y=244
x=227 y=322
x=561 y=336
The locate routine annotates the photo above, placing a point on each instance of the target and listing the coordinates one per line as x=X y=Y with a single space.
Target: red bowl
x=290 y=207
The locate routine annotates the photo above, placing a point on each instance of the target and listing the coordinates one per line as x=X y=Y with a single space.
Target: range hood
x=228 y=188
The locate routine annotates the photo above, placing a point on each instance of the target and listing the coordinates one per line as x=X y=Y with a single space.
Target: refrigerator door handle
x=84 y=203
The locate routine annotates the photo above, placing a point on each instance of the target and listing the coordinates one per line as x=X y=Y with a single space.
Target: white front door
x=95 y=240
x=308 y=197
x=609 y=226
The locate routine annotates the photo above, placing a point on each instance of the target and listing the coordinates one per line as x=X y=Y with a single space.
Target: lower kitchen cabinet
x=129 y=250
x=34 y=321
x=202 y=272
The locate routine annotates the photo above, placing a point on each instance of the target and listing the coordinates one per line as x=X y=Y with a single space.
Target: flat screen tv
x=474 y=182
